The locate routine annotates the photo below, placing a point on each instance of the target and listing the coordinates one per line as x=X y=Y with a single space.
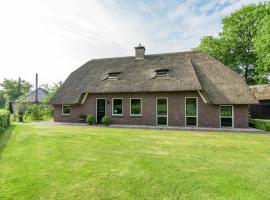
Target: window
x=162 y=111
x=226 y=116
x=65 y=109
x=135 y=107
x=191 y=111
x=117 y=107
x=113 y=75
x=162 y=72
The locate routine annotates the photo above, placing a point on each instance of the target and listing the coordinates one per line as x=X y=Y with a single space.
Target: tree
x=10 y=88
x=2 y=99
x=52 y=90
x=220 y=49
x=262 y=46
x=235 y=45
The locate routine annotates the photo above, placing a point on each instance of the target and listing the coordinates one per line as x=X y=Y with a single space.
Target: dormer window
x=162 y=72
x=113 y=75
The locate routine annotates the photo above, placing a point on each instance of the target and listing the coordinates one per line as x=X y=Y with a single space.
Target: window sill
x=135 y=116
x=65 y=115
x=120 y=116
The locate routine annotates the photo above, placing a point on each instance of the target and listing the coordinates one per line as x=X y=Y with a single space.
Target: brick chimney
x=139 y=52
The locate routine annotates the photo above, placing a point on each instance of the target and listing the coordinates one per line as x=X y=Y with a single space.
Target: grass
x=65 y=162
x=44 y=118
x=28 y=119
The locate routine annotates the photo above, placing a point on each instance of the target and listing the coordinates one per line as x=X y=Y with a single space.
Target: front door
x=100 y=109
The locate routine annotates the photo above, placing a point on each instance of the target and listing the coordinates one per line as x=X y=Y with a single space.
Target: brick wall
x=208 y=114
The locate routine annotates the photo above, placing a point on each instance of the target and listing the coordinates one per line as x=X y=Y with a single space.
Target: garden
x=82 y=162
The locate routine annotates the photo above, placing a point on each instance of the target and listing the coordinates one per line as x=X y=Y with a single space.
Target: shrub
x=106 y=120
x=48 y=110
x=39 y=111
x=260 y=124
x=90 y=119
x=4 y=120
x=35 y=111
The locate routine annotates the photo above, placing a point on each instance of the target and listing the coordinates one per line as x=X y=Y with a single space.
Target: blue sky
x=54 y=38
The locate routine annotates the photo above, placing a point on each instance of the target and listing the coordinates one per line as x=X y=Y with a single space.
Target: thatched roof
x=188 y=71
x=262 y=92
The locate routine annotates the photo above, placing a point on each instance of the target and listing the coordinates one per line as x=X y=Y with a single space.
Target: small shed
x=262 y=109
x=29 y=98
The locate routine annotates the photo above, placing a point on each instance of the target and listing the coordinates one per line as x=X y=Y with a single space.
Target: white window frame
x=226 y=117
x=122 y=107
x=96 y=106
x=134 y=115
x=197 y=112
x=66 y=114
x=167 y=116
x=161 y=70
x=110 y=77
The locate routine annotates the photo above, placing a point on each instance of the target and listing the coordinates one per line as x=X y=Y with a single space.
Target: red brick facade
x=208 y=114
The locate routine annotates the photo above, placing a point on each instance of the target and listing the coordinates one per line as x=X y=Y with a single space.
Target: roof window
x=162 y=72
x=113 y=75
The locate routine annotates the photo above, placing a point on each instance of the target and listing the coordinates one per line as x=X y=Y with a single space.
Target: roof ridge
x=196 y=73
x=147 y=55
x=200 y=81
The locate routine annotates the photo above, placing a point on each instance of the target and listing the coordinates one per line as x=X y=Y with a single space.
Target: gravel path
x=239 y=130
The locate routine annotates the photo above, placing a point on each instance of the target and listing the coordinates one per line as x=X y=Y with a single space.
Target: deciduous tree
x=242 y=44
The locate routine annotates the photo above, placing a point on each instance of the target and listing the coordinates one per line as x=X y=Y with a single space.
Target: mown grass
x=65 y=162
x=44 y=118
x=28 y=119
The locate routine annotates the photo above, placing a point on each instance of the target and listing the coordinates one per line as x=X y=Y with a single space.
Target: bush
x=38 y=111
x=260 y=124
x=90 y=119
x=48 y=110
x=4 y=120
x=35 y=111
x=106 y=120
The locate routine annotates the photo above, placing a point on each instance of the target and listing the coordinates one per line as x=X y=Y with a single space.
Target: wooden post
x=19 y=87
x=36 y=92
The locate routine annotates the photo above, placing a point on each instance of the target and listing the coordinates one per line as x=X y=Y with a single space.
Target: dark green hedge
x=260 y=124
x=4 y=120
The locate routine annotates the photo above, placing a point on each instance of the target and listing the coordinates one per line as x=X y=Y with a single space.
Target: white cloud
x=54 y=38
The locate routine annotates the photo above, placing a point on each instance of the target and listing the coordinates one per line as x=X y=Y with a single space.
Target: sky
x=55 y=37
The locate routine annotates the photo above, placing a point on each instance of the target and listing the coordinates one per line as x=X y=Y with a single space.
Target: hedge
x=4 y=120
x=260 y=124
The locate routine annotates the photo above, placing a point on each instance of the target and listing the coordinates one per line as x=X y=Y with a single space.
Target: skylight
x=162 y=72
x=113 y=75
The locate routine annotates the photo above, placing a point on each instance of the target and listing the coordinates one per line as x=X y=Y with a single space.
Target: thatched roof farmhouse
x=174 y=76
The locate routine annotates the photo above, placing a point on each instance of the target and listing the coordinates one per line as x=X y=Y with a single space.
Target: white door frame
x=167 y=116
x=197 y=111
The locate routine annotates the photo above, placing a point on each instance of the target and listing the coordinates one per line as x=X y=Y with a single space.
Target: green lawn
x=29 y=119
x=65 y=162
